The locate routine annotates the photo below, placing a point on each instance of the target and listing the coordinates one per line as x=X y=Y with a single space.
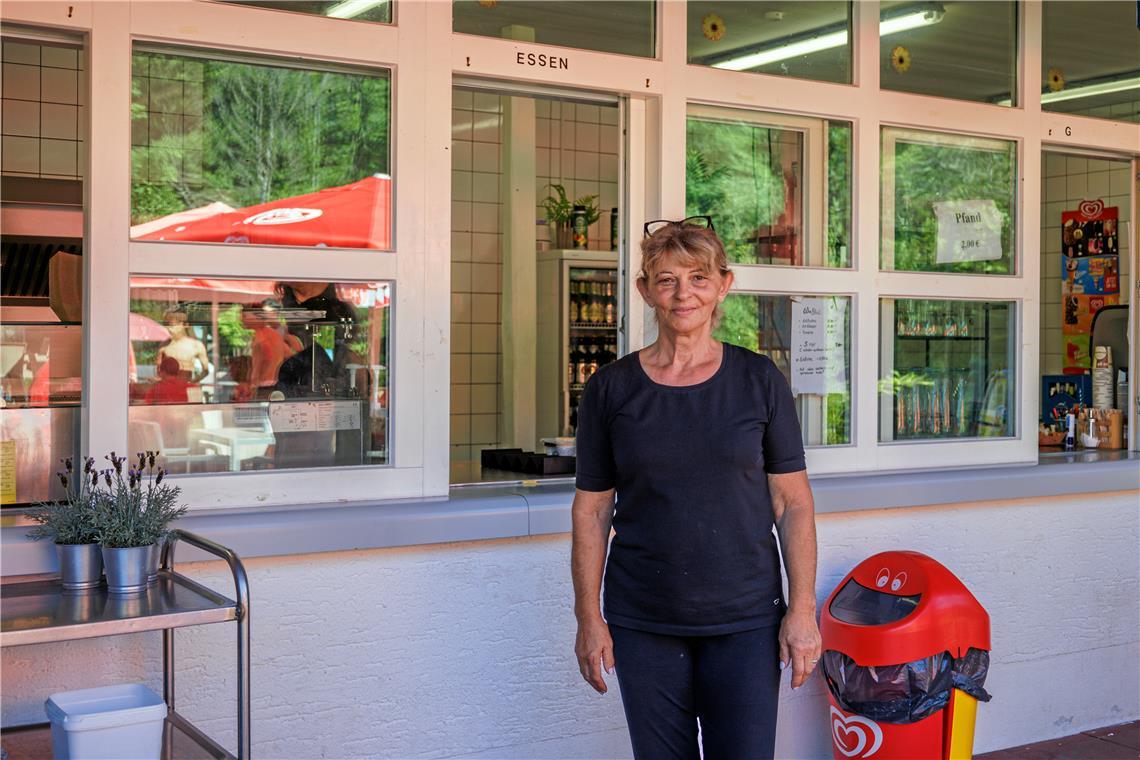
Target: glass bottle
x=582 y=365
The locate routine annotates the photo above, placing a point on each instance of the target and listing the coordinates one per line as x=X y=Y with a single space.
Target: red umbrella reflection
x=351 y=216
x=145 y=328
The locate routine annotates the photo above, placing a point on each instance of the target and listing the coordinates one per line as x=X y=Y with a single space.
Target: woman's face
x=684 y=296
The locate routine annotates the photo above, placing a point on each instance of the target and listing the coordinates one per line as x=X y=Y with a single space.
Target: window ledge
x=477 y=513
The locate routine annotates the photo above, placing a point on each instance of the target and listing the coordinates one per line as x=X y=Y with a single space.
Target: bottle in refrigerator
x=581 y=367
x=611 y=307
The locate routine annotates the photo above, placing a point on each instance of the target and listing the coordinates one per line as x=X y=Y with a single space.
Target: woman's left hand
x=800 y=643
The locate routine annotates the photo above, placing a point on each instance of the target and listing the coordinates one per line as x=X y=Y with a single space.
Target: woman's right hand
x=595 y=649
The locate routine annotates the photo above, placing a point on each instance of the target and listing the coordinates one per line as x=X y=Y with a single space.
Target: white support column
x=107 y=215
x=641 y=205
x=520 y=275
x=1028 y=336
x=865 y=257
x=430 y=125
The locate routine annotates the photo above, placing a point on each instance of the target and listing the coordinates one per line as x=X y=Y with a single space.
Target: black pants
x=730 y=682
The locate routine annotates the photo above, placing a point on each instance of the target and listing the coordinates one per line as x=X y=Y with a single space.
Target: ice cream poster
x=1090 y=276
x=1091 y=230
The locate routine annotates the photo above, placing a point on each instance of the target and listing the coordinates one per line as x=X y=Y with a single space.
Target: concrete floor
x=1121 y=742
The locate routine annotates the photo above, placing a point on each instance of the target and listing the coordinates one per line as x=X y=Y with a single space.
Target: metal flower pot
x=80 y=566
x=126 y=568
x=153 y=561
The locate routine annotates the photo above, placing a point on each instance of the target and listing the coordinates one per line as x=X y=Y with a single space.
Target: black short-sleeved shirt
x=693 y=551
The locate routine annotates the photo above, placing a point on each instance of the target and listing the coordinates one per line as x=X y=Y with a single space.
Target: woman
x=699 y=442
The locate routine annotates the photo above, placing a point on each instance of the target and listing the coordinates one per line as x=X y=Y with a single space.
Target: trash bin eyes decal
x=854 y=735
x=883 y=576
x=898 y=582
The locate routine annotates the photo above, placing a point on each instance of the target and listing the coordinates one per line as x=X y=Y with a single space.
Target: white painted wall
x=465 y=650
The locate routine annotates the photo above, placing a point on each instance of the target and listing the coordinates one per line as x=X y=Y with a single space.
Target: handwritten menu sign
x=968 y=231
x=314 y=416
x=819 y=345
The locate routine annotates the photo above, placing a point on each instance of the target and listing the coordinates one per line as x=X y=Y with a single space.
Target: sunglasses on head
x=652 y=228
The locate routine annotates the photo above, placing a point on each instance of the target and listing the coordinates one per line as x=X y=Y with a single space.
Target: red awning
x=351 y=216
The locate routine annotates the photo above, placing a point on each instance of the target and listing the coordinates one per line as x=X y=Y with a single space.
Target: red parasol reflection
x=357 y=215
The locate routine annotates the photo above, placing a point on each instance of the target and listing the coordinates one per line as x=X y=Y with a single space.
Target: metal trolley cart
x=36 y=611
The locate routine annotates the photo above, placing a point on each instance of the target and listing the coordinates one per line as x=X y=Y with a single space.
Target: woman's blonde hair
x=691 y=245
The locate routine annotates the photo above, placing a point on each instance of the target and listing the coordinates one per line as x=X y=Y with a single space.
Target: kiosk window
x=258 y=151
x=230 y=375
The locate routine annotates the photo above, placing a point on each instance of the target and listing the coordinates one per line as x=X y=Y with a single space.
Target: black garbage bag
x=908 y=692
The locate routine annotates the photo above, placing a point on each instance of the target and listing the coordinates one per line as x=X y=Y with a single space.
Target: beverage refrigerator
x=578 y=320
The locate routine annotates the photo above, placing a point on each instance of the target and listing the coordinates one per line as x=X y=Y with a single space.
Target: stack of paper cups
x=1103 y=387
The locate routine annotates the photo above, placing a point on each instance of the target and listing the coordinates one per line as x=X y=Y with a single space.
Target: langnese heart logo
x=1091 y=209
x=853 y=733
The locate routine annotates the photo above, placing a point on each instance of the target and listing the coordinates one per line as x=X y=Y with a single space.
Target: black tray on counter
x=528 y=462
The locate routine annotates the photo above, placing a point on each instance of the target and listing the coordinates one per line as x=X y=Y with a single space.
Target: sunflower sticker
x=900 y=59
x=1056 y=80
x=488 y=3
x=713 y=27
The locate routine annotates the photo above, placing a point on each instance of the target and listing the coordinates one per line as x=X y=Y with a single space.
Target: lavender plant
x=74 y=519
x=137 y=507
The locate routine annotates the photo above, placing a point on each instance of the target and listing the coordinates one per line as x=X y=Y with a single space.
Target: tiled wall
x=476 y=272
x=577 y=146
x=1068 y=180
x=166 y=124
x=44 y=121
x=578 y=149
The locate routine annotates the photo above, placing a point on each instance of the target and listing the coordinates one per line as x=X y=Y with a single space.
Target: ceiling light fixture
x=912 y=19
x=1089 y=89
x=353 y=8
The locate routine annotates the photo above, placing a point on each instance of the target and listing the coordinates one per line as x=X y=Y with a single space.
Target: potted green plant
x=73 y=524
x=559 y=209
x=134 y=520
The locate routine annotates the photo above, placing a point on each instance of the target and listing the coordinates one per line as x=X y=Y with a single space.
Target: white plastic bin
x=122 y=722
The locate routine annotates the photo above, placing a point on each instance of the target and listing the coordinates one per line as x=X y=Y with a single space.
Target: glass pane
x=965 y=50
x=535 y=311
x=236 y=151
x=232 y=375
x=627 y=27
x=803 y=40
x=378 y=11
x=809 y=339
x=778 y=192
x=947 y=369
x=948 y=203
x=1106 y=83
x=41 y=264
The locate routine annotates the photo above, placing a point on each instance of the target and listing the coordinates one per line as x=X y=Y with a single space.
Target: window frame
x=813 y=174
x=890 y=137
x=659 y=92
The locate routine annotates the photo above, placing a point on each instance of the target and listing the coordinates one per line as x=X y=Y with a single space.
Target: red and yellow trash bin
x=906 y=652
